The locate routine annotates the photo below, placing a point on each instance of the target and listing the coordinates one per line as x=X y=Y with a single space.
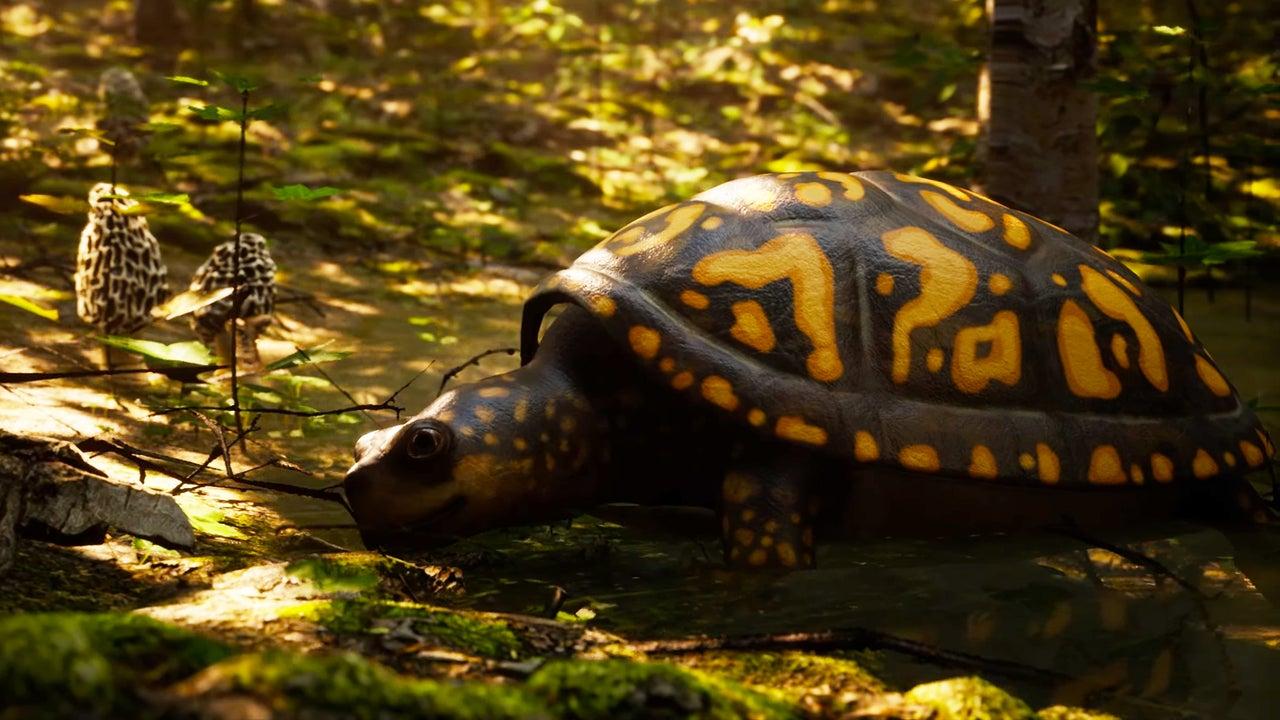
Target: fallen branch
x=386 y=405
x=473 y=361
x=852 y=638
x=181 y=373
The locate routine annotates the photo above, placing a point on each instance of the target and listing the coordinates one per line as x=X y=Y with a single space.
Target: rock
x=48 y=488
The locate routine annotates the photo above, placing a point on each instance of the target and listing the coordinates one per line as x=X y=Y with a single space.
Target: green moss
x=968 y=698
x=94 y=660
x=330 y=575
x=795 y=673
x=585 y=690
x=347 y=685
x=1062 y=712
x=456 y=631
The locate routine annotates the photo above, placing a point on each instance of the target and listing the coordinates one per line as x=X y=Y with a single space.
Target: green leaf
x=189 y=301
x=214 y=112
x=187 y=80
x=181 y=353
x=305 y=355
x=1173 y=30
x=163 y=198
x=239 y=83
x=304 y=193
x=31 y=306
x=267 y=112
x=56 y=204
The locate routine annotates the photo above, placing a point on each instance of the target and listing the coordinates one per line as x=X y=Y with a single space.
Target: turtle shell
x=898 y=320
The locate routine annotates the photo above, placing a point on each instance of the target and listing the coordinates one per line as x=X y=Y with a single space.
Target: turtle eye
x=426 y=441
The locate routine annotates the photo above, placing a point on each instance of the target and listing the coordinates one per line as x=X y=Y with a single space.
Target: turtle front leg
x=766 y=514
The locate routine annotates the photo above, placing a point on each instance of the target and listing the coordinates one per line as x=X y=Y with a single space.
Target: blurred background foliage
x=526 y=131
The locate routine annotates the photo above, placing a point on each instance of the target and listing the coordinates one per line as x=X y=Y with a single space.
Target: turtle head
x=495 y=453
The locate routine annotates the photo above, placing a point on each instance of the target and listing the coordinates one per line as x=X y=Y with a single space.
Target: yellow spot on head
x=967 y=220
x=520 y=444
x=1058 y=280
x=1105 y=467
x=794 y=428
x=644 y=341
x=756 y=417
x=884 y=283
x=694 y=299
x=494 y=392
x=1203 y=466
x=1003 y=359
x=947 y=283
x=1161 y=468
x=603 y=305
x=1016 y=233
x=712 y=223
x=549 y=409
x=934 y=359
x=922 y=458
x=751 y=326
x=797 y=257
x=853 y=189
x=1026 y=461
x=1081 y=359
x=1115 y=304
x=678 y=220
x=1210 y=376
x=484 y=414
x=1252 y=454
x=445 y=416
x=999 y=284
x=490 y=439
x=682 y=381
x=864 y=447
x=813 y=194
x=955 y=192
x=982 y=464
x=521 y=410
x=1047 y=462
x=719 y=392
x=1120 y=350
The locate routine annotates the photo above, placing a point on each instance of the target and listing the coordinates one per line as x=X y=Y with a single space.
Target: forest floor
x=584 y=619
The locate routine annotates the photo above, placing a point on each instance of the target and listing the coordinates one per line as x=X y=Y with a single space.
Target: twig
x=852 y=638
x=473 y=361
x=335 y=384
x=235 y=265
x=170 y=372
x=386 y=405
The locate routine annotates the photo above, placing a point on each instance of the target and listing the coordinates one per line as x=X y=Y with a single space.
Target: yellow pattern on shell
x=1203 y=465
x=667 y=364
x=603 y=305
x=712 y=223
x=864 y=447
x=968 y=220
x=1126 y=282
x=786 y=554
x=797 y=257
x=1016 y=233
x=1115 y=304
x=695 y=299
x=521 y=410
x=1161 y=468
x=934 y=359
x=1230 y=458
x=484 y=414
x=813 y=194
x=1210 y=376
x=1252 y=453
x=645 y=341
x=490 y=439
x=520 y=444
x=1120 y=350
x=1081 y=359
x=947 y=283
x=719 y=392
x=982 y=463
x=1003 y=361
x=951 y=190
x=794 y=428
x=1047 y=464
x=922 y=458
x=679 y=218
x=999 y=284
x=756 y=417
x=740 y=487
x=1135 y=473
x=494 y=392
x=1105 y=467
x=1026 y=461
x=682 y=380
x=853 y=189
x=1058 y=280
x=1186 y=329
x=884 y=284
x=751 y=326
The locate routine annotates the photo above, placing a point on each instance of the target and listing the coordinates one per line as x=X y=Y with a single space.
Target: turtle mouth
x=417 y=534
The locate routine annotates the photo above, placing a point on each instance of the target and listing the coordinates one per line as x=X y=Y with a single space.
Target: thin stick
x=235 y=267
x=284 y=411
x=473 y=361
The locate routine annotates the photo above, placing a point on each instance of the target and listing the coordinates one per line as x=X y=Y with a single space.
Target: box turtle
x=822 y=352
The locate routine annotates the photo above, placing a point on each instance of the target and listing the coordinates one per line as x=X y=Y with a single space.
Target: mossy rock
x=968 y=698
x=1062 y=712
x=94 y=662
x=794 y=673
x=348 y=686
x=464 y=633
x=587 y=690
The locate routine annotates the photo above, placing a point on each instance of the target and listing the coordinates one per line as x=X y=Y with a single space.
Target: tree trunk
x=1039 y=142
